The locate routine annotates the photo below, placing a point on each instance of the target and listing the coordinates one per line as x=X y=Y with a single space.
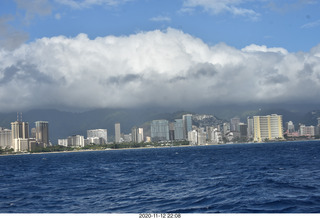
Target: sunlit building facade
x=268 y=127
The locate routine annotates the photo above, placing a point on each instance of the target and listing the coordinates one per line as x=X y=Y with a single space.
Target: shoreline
x=147 y=147
x=86 y=150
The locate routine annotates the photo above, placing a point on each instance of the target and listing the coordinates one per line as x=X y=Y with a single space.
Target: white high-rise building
x=76 y=140
x=5 y=138
x=268 y=127
x=307 y=130
x=20 y=136
x=193 y=137
x=63 y=142
x=117 y=132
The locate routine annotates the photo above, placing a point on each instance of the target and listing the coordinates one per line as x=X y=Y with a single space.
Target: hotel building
x=267 y=127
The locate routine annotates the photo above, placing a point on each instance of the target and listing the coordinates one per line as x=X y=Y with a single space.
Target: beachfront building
x=5 y=138
x=63 y=142
x=268 y=127
x=307 y=130
x=160 y=130
x=76 y=140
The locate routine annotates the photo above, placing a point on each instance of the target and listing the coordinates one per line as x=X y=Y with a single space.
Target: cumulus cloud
x=221 y=6
x=155 y=68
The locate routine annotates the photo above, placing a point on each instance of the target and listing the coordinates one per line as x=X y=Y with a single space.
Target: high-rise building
x=117 y=132
x=5 y=138
x=76 y=140
x=178 y=129
x=63 y=142
x=290 y=127
x=193 y=137
x=202 y=136
x=250 y=128
x=234 y=124
x=210 y=133
x=243 y=129
x=98 y=133
x=226 y=128
x=267 y=127
x=20 y=129
x=20 y=136
x=171 y=131
x=42 y=132
x=307 y=130
x=140 y=135
x=137 y=135
x=187 y=124
x=160 y=130
x=214 y=135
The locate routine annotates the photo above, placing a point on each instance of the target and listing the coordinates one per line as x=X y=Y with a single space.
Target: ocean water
x=240 y=178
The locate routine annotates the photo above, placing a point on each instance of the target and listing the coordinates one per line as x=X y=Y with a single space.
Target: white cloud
x=159 y=68
x=263 y=48
x=221 y=6
x=311 y=24
x=161 y=19
x=34 y=7
x=81 y=4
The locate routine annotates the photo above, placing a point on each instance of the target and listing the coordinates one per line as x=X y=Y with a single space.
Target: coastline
x=108 y=149
x=147 y=147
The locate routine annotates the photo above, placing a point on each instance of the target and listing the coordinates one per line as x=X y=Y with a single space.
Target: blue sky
x=88 y=54
x=292 y=24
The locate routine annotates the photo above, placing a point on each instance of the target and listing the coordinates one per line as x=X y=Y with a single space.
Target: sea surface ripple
x=241 y=178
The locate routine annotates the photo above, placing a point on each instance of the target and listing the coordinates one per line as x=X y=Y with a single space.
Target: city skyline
x=257 y=129
x=84 y=55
